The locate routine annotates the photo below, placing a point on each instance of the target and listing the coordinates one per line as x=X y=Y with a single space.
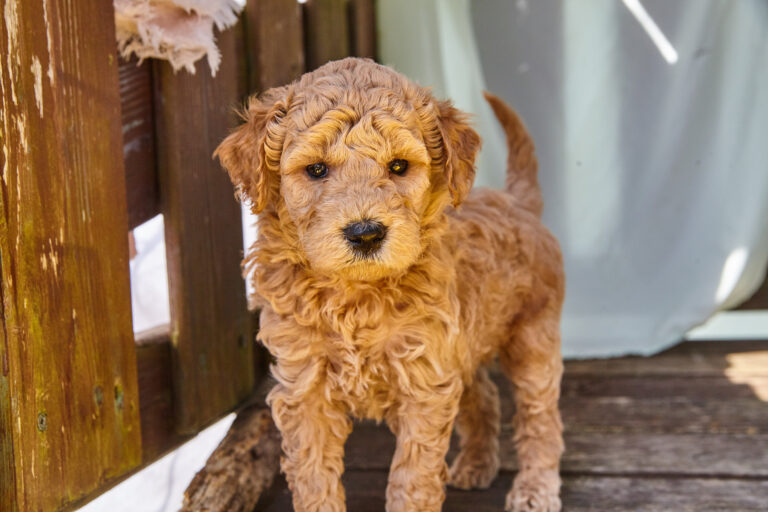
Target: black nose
x=365 y=236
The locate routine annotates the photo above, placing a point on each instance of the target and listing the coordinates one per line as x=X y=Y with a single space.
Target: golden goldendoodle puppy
x=385 y=286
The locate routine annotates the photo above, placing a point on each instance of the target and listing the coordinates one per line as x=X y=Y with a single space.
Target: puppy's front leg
x=314 y=431
x=423 y=428
x=533 y=363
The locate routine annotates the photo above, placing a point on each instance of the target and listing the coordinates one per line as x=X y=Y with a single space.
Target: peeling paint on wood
x=49 y=43
x=11 y=17
x=37 y=72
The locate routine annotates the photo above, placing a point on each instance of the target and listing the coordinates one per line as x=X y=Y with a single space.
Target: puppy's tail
x=522 y=167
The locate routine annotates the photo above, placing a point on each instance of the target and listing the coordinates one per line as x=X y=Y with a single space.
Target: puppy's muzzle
x=365 y=237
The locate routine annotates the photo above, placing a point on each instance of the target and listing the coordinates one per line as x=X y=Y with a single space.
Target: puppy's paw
x=535 y=490
x=473 y=470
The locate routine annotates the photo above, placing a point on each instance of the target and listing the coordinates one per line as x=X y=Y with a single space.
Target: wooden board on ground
x=721 y=388
x=678 y=416
x=711 y=348
x=69 y=404
x=241 y=468
x=678 y=362
x=210 y=327
x=365 y=493
x=370 y=448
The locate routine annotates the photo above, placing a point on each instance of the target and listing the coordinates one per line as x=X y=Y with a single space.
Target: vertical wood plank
x=69 y=410
x=326 y=25
x=275 y=42
x=362 y=23
x=8 y=487
x=158 y=421
x=138 y=140
x=211 y=345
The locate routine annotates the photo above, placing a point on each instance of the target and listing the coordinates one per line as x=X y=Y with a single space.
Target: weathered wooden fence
x=82 y=402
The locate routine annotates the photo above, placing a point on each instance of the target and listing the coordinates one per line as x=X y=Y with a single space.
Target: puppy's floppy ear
x=460 y=146
x=251 y=153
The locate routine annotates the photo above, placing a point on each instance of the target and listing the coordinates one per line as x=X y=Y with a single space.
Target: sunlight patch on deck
x=749 y=368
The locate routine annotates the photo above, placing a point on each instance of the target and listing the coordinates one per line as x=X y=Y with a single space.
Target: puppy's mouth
x=365 y=238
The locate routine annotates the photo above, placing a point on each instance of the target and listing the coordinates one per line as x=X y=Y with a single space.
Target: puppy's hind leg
x=532 y=361
x=477 y=424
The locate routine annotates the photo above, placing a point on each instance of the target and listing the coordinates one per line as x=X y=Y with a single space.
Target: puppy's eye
x=398 y=166
x=318 y=170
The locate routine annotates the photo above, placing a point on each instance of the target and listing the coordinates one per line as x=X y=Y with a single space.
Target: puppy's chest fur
x=381 y=350
x=367 y=346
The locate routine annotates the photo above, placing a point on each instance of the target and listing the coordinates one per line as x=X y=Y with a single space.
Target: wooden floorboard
x=660 y=387
x=682 y=361
x=370 y=448
x=684 y=430
x=663 y=494
x=366 y=489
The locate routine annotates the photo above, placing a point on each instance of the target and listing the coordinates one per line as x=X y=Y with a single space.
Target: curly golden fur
x=401 y=333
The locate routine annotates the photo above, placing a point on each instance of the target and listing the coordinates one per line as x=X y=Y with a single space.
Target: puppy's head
x=357 y=162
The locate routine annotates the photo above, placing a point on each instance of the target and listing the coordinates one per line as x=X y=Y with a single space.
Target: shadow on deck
x=686 y=429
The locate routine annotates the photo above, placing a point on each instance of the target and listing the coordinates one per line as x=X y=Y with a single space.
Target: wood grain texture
x=671 y=387
x=69 y=405
x=678 y=364
x=370 y=448
x=362 y=26
x=579 y=493
x=212 y=353
x=663 y=494
x=701 y=455
x=158 y=421
x=326 y=29
x=136 y=104
x=666 y=416
x=710 y=349
x=275 y=42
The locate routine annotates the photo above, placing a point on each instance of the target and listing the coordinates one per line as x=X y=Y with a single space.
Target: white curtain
x=651 y=122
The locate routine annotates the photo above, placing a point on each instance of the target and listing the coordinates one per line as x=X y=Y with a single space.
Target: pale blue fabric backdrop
x=654 y=157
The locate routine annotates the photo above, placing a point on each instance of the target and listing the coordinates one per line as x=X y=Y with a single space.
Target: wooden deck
x=683 y=430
